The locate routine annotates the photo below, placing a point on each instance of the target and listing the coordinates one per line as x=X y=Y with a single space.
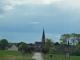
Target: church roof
x=43 y=36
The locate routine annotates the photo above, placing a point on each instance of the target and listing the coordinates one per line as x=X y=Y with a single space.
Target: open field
x=59 y=57
x=15 y=55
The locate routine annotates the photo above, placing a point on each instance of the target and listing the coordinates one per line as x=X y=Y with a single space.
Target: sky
x=24 y=20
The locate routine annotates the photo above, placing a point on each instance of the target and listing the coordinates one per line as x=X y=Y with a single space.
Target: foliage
x=28 y=50
x=43 y=50
x=32 y=48
x=76 y=52
x=6 y=48
x=59 y=57
x=22 y=47
x=3 y=44
x=48 y=45
x=52 y=50
x=73 y=39
x=78 y=48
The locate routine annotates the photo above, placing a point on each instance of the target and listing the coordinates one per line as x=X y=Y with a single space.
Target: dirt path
x=37 y=56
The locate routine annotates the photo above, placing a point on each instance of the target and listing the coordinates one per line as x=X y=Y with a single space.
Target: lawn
x=15 y=55
x=59 y=57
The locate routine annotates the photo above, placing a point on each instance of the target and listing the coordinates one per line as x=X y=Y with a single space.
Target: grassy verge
x=15 y=55
x=59 y=57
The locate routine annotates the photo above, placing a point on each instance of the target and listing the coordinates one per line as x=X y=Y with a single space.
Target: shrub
x=32 y=48
x=28 y=50
x=43 y=51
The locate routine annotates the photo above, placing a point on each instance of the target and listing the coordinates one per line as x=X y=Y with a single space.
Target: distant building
x=39 y=45
x=56 y=45
x=12 y=48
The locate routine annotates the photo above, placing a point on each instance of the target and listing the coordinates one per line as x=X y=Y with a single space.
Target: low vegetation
x=59 y=54
x=15 y=55
x=59 y=57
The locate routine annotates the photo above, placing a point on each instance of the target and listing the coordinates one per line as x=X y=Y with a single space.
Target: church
x=39 y=45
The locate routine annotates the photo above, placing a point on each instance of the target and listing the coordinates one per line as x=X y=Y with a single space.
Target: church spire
x=43 y=36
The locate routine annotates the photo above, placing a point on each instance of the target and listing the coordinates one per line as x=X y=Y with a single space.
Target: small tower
x=43 y=37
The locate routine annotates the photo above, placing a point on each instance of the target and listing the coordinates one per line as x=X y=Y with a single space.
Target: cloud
x=19 y=2
x=34 y=23
x=8 y=8
x=0 y=36
x=25 y=14
x=1 y=16
x=60 y=3
x=69 y=4
x=29 y=13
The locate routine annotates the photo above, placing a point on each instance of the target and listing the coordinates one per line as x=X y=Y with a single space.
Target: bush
x=74 y=53
x=43 y=51
x=32 y=48
x=68 y=51
x=28 y=50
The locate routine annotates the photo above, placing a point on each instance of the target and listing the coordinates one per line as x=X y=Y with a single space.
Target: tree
x=22 y=47
x=48 y=45
x=43 y=50
x=4 y=44
x=78 y=38
x=73 y=40
x=63 y=40
x=68 y=38
x=52 y=50
x=0 y=45
x=32 y=48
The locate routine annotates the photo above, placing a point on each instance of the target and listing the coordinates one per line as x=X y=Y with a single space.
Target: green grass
x=15 y=55
x=11 y=53
x=59 y=57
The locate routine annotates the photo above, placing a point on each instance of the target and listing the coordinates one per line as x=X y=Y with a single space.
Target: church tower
x=43 y=37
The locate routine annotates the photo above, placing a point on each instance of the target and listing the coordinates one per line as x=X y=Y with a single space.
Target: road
x=37 y=56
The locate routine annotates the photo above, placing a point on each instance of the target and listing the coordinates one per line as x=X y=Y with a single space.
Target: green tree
x=78 y=38
x=22 y=47
x=6 y=48
x=52 y=50
x=78 y=48
x=73 y=40
x=68 y=38
x=48 y=45
x=63 y=40
x=4 y=44
x=0 y=45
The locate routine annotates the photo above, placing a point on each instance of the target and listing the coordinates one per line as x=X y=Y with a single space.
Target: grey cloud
x=61 y=22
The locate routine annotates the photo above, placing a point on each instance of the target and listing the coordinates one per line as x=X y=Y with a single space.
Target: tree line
x=74 y=39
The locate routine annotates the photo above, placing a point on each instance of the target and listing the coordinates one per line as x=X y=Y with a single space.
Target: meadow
x=15 y=55
x=59 y=57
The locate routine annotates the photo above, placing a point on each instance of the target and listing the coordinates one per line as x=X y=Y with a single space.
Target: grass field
x=59 y=57
x=15 y=55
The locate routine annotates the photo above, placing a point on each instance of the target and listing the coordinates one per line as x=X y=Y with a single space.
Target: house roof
x=11 y=46
x=56 y=43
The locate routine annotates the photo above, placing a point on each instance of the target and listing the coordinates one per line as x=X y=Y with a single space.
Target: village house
x=12 y=48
